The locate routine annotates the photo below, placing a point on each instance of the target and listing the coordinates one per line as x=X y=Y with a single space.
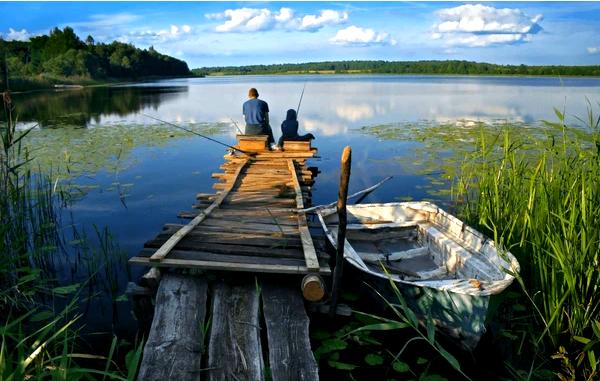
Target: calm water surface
x=144 y=184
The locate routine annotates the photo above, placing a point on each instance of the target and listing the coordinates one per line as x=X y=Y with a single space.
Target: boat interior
x=418 y=242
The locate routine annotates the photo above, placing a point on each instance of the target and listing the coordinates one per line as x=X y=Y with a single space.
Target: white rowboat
x=445 y=269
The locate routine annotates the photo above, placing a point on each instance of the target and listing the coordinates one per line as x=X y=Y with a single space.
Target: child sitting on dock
x=289 y=129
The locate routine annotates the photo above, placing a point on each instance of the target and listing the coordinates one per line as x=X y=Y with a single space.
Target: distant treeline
x=400 y=67
x=61 y=54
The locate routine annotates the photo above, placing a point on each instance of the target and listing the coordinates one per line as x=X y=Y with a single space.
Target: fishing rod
x=236 y=126
x=196 y=133
x=300 y=102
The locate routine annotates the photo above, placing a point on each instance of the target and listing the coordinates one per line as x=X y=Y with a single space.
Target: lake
x=132 y=175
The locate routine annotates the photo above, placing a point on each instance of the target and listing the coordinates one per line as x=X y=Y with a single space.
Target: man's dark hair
x=253 y=93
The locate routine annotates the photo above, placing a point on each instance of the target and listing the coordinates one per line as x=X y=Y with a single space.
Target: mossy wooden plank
x=174 y=347
x=290 y=354
x=234 y=349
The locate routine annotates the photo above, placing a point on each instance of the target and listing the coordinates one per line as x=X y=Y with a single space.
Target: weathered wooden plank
x=206 y=196
x=290 y=355
x=270 y=161
x=248 y=205
x=266 y=174
x=287 y=155
x=308 y=247
x=274 y=250
x=231 y=238
x=251 y=186
x=263 y=170
x=256 y=197
x=227 y=266
x=279 y=213
x=201 y=204
x=277 y=165
x=234 y=351
x=271 y=229
x=164 y=250
x=174 y=346
x=242 y=204
x=196 y=255
x=262 y=218
x=266 y=163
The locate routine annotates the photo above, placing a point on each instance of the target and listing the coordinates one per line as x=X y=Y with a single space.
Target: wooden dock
x=242 y=238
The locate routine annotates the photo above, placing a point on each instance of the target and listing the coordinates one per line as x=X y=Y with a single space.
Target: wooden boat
x=444 y=269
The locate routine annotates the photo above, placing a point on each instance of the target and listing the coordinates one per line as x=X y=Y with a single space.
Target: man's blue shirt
x=255 y=111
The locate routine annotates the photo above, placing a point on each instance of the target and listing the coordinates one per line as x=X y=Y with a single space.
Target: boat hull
x=459 y=316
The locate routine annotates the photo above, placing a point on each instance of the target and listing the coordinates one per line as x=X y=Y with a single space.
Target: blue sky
x=241 y=33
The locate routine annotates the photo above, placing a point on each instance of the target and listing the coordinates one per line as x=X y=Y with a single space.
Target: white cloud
x=593 y=49
x=487 y=40
x=357 y=36
x=477 y=25
x=148 y=36
x=327 y=17
x=285 y=15
x=245 y=20
x=17 y=35
x=254 y=20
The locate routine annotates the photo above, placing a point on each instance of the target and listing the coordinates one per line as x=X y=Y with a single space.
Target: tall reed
x=38 y=341
x=541 y=199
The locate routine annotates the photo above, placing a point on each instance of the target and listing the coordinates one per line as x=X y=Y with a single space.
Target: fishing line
x=196 y=133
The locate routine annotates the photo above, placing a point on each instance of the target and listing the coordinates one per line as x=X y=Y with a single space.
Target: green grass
x=541 y=199
x=39 y=340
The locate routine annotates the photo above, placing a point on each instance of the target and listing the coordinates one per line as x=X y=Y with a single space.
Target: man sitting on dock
x=256 y=114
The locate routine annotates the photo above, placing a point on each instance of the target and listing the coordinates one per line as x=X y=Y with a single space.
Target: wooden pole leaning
x=341 y=234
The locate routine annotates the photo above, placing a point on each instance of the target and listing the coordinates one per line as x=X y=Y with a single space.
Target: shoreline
x=401 y=75
x=72 y=84
x=33 y=84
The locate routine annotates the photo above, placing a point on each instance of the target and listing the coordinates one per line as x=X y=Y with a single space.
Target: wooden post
x=341 y=235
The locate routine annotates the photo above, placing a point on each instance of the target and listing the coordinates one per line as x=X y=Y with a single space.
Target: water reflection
x=82 y=107
x=331 y=104
x=334 y=104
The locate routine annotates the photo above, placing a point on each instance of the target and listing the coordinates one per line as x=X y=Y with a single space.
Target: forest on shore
x=455 y=67
x=62 y=57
